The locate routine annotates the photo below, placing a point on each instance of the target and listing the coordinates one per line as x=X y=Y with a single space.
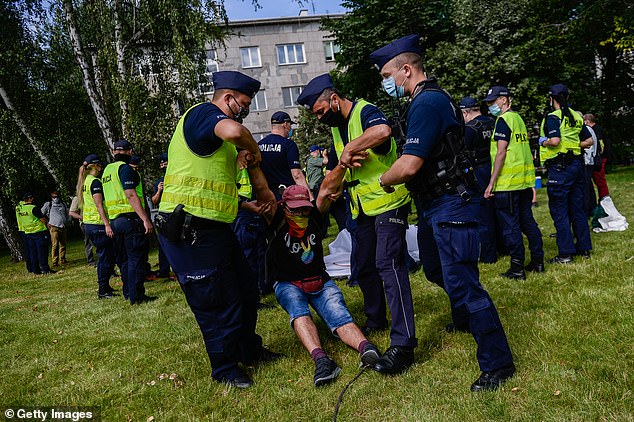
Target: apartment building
x=282 y=53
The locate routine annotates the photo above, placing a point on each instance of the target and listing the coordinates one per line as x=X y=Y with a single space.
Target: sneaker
x=584 y=254
x=369 y=356
x=241 y=381
x=326 y=370
x=561 y=259
x=490 y=381
x=107 y=295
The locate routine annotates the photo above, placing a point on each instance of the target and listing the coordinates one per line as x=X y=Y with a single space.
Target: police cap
x=162 y=158
x=135 y=160
x=313 y=90
x=496 y=91
x=407 y=44
x=122 y=145
x=468 y=102
x=281 y=117
x=230 y=79
x=92 y=159
x=558 y=89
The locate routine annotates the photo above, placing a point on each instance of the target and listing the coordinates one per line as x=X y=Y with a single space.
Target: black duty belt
x=562 y=159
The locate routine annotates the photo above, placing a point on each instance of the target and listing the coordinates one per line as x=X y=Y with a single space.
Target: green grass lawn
x=571 y=330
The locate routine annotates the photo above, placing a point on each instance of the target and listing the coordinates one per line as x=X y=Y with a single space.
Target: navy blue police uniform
x=448 y=221
x=380 y=248
x=565 y=187
x=38 y=245
x=218 y=283
x=477 y=136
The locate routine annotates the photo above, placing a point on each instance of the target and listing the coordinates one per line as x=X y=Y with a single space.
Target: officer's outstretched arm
x=330 y=188
x=265 y=197
x=403 y=170
x=235 y=133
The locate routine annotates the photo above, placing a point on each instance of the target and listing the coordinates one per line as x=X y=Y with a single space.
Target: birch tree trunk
x=25 y=130
x=121 y=68
x=10 y=237
x=89 y=84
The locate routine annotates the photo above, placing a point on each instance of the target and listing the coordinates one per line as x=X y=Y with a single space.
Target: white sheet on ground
x=614 y=222
x=338 y=261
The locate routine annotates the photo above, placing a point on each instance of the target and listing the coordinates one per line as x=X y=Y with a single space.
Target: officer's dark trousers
x=515 y=215
x=351 y=226
x=250 y=230
x=565 y=200
x=132 y=249
x=589 y=197
x=105 y=255
x=222 y=292
x=448 y=245
x=380 y=255
x=28 y=259
x=38 y=247
x=164 y=265
x=486 y=218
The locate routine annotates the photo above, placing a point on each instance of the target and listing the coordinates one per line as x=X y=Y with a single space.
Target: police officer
x=448 y=222
x=20 y=217
x=477 y=137
x=511 y=184
x=96 y=223
x=359 y=126
x=34 y=225
x=123 y=191
x=164 y=265
x=203 y=250
x=562 y=137
x=280 y=155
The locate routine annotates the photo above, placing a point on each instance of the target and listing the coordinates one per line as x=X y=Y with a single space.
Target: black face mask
x=332 y=118
x=242 y=113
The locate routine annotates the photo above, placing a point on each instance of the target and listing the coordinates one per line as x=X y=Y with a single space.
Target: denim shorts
x=328 y=303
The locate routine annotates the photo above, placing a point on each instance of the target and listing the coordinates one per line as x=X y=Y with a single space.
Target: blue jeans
x=515 y=214
x=448 y=245
x=105 y=254
x=132 y=246
x=566 y=184
x=327 y=302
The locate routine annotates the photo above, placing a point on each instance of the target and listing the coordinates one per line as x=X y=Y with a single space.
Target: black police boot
x=536 y=266
x=561 y=259
x=395 y=360
x=239 y=380
x=516 y=272
x=489 y=381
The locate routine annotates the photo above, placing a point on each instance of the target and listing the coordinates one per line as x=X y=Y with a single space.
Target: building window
x=258 y=103
x=250 y=57
x=330 y=50
x=290 y=54
x=290 y=94
x=211 y=66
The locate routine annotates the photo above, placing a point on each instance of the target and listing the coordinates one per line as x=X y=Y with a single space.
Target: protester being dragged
x=95 y=221
x=56 y=212
x=295 y=258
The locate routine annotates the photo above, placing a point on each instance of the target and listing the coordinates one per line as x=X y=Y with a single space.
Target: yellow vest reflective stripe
x=18 y=217
x=569 y=135
x=245 y=189
x=30 y=223
x=206 y=186
x=115 y=199
x=90 y=214
x=518 y=171
x=368 y=192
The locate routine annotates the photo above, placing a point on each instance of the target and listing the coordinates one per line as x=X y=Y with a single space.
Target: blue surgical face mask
x=389 y=86
x=290 y=133
x=495 y=110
